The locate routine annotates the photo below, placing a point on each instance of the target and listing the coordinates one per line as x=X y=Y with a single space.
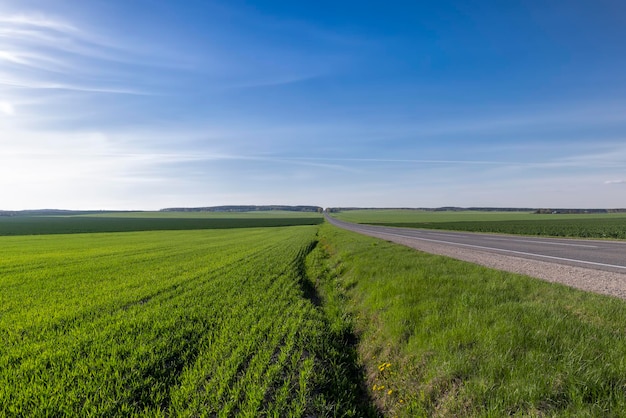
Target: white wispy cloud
x=615 y=182
x=45 y=85
x=31 y=33
x=39 y=52
x=519 y=120
x=272 y=80
x=38 y=21
x=611 y=156
x=405 y=161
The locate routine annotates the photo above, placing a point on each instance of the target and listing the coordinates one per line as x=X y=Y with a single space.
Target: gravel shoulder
x=603 y=282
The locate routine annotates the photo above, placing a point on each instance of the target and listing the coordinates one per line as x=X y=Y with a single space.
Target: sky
x=138 y=104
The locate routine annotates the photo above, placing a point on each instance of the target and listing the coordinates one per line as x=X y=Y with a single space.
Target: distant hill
x=571 y=211
x=246 y=208
x=51 y=212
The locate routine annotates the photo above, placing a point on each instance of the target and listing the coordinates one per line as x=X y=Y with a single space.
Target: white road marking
x=543 y=242
x=506 y=251
x=512 y=240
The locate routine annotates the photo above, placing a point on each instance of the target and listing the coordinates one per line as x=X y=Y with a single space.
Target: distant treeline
x=490 y=209
x=441 y=209
x=247 y=208
x=574 y=211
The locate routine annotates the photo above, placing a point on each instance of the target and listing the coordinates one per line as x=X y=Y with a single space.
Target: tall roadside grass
x=441 y=337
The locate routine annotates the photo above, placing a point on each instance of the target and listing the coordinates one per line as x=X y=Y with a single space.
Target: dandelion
x=389 y=392
x=384 y=366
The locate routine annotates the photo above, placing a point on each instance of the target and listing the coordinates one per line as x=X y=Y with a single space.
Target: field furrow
x=158 y=323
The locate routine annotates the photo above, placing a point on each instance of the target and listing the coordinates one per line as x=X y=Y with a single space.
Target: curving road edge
x=586 y=275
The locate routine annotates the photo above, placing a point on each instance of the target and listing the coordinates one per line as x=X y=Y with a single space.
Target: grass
x=173 y=323
x=292 y=321
x=441 y=337
x=571 y=225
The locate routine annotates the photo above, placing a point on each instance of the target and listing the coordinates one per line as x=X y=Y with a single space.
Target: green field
x=181 y=323
x=593 y=225
x=273 y=214
x=150 y=221
x=305 y=320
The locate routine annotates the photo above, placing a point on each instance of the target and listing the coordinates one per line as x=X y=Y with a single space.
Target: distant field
x=273 y=214
x=150 y=221
x=172 y=323
x=524 y=223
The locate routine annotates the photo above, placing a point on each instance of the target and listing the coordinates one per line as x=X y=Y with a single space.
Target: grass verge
x=441 y=337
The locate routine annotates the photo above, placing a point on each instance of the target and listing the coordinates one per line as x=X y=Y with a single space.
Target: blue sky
x=150 y=104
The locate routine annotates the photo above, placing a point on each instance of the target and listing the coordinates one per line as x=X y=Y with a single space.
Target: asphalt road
x=590 y=254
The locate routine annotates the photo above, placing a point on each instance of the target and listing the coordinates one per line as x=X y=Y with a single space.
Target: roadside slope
x=442 y=337
x=588 y=279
